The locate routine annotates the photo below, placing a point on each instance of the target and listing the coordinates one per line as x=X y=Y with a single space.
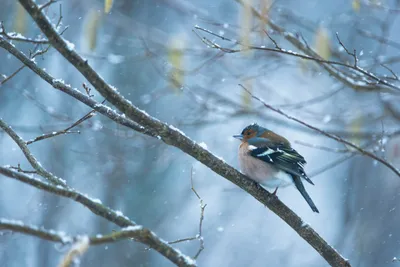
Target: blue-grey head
x=255 y=134
x=253 y=130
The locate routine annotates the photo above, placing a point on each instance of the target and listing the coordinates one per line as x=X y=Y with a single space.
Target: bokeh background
x=147 y=49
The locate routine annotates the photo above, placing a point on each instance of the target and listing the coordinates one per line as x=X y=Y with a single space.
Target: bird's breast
x=260 y=171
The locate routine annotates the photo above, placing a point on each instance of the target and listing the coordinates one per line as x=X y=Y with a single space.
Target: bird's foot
x=276 y=190
x=273 y=194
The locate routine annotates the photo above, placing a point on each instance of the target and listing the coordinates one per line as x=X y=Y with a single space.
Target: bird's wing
x=280 y=155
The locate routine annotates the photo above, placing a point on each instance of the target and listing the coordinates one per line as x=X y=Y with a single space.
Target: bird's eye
x=248 y=133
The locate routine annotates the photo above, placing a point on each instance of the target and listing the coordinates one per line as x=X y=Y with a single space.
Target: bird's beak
x=238 y=136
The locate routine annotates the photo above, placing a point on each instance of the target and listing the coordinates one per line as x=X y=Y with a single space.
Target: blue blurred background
x=147 y=49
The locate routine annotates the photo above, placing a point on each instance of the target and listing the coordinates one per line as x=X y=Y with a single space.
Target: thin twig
x=87 y=89
x=65 y=131
x=380 y=39
x=354 y=55
x=32 y=160
x=60 y=19
x=182 y=240
x=47 y=4
x=273 y=41
x=395 y=77
x=19 y=169
x=366 y=80
x=335 y=150
x=315 y=57
x=199 y=236
x=311 y=101
x=331 y=165
x=39 y=52
x=202 y=207
x=50 y=135
x=12 y=75
x=19 y=38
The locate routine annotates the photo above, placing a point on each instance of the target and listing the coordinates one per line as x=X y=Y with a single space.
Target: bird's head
x=253 y=130
x=259 y=134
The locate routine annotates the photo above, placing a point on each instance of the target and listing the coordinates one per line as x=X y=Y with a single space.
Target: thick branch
x=174 y=137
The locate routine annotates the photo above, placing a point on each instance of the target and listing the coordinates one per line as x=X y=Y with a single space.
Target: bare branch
x=335 y=150
x=202 y=207
x=12 y=75
x=211 y=44
x=87 y=89
x=21 y=227
x=395 y=77
x=32 y=160
x=331 y=165
x=199 y=236
x=47 y=4
x=18 y=168
x=39 y=52
x=360 y=84
x=354 y=55
x=18 y=37
x=65 y=131
x=145 y=236
x=50 y=135
x=272 y=40
x=129 y=232
x=379 y=38
x=311 y=101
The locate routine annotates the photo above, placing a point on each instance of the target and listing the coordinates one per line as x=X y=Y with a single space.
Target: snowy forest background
x=150 y=51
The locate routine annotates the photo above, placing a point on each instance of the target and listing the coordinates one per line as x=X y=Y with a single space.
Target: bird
x=269 y=159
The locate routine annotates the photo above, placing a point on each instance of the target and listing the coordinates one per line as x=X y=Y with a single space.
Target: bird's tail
x=300 y=187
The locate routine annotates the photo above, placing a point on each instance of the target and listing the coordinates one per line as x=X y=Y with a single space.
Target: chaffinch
x=269 y=159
